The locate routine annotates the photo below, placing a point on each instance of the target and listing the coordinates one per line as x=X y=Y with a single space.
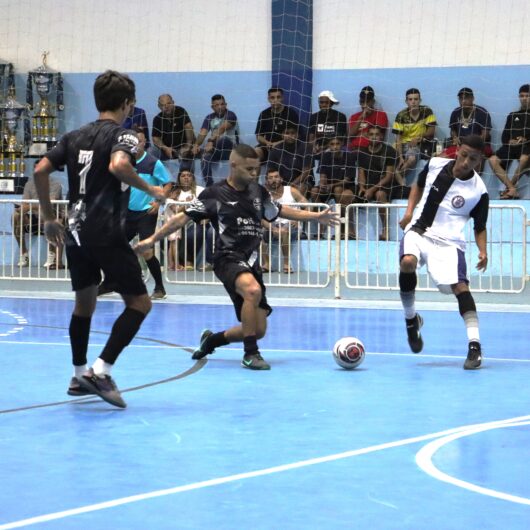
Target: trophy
x=7 y=79
x=44 y=118
x=14 y=141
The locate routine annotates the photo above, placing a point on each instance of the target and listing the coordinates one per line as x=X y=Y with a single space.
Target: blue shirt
x=154 y=173
x=138 y=118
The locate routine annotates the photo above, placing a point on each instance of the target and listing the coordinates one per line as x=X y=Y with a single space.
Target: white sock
x=80 y=370
x=471 y=322
x=100 y=367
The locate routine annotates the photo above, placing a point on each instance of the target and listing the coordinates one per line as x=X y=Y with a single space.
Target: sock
x=100 y=367
x=154 y=268
x=80 y=370
x=250 y=344
x=471 y=322
x=79 y=331
x=216 y=340
x=408 y=301
x=123 y=332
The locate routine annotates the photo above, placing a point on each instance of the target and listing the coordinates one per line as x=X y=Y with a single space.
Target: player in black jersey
x=236 y=207
x=100 y=161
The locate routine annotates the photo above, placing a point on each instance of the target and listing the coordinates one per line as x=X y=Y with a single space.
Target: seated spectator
x=173 y=135
x=515 y=146
x=289 y=157
x=414 y=128
x=325 y=124
x=183 y=248
x=272 y=123
x=281 y=230
x=138 y=118
x=26 y=220
x=377 y=164
x=360 y=122
x=221 y=124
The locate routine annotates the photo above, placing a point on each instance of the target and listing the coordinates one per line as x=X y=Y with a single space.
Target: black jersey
x=235 y=215
x=97 y=199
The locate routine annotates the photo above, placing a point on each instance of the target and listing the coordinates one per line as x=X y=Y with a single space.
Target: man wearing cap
x=515 y=145
x=327 y=123
x=360 y=122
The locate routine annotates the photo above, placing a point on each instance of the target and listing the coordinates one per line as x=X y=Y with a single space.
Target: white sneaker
x=50 y=262
x=24 y=260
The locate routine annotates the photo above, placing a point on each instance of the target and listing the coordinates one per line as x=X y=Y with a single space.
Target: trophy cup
x=14 y=141
x=7 y=79
x=44 y=119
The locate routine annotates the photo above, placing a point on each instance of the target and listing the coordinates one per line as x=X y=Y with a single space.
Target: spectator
x=138 y=118
x=273 y=121
x=515 y=145
x=281 y=230
x=414 y=128
x=326 y=124
x=173 y=135
x=361 y=121
x=290 y=159
x=221 y=124
x=377 y=164
x=26 y=220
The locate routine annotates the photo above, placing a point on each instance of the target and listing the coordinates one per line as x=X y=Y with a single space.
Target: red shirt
x=378 y=117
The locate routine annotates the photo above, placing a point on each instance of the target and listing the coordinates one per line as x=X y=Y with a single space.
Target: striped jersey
x=448 y=203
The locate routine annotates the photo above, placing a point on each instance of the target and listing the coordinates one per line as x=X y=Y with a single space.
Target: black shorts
x=227 y=268
x=118 y=263
x=512 y=152
x=141 y=223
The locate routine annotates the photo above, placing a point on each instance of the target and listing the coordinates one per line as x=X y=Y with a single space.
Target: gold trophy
x=44 y=120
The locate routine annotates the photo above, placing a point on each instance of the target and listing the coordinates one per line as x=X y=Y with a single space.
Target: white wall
x=137 y=35
x=420 y=33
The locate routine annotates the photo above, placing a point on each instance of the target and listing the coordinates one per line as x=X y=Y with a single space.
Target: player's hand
x=406 y=219
x=54 y=232
x=158 y=194
x=482 y=262
x=143 y=245
x=328 y=217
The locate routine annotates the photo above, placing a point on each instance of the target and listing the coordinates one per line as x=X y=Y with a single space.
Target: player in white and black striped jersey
x=446 y=195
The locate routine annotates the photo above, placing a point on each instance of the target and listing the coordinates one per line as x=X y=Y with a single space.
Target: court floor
x=403 y=442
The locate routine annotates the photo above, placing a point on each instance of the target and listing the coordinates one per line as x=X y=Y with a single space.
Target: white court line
x=244 y=476
x=426 y=453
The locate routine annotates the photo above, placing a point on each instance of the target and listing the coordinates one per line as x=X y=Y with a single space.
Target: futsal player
x=100 y=160
x=236 y=207
x=447 y=194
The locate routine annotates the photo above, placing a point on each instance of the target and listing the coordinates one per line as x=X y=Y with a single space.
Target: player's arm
x=120 y=166
x=415 y=196
x=325 y=217
x=480 y=216
x=481 y=239
x=173 y=224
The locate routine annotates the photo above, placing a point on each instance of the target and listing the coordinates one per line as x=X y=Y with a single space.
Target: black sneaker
x=104 y=386
x=75 y=389
x=474 y=356
x=202 y=351
x=104 y=289
x=413 y=333
x=159 y=294
x=254 y=361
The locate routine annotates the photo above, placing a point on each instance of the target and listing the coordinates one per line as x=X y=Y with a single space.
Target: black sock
x=215 y=341
x=154 y=268
x=250 y=344
x=79 y=332
x=123 y=332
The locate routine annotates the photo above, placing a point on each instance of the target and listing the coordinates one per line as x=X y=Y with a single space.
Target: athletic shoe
x=104 y=386
x=75 y=389
x=24 y=260
x=159 y=294
x=474 y=356
x=413 y=333
x=254 y=361
x=50 y=261
x=201 y=351
x=104 y=289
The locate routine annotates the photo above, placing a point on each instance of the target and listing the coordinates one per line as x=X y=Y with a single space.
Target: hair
x=215 y=97
x=178 y=187
x=245 y=151
x=165 y=96
x=112 y=90
x=474 y=141
x=525 y=88
x=412 y=91
x=380 y=129
x=274 y=89
x=138 y=129
x=273 y=167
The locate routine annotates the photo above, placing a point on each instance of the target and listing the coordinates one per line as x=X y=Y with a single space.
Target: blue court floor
x=405 y=441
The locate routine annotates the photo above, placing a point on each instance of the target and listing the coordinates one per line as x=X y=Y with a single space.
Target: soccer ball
x=348 y=352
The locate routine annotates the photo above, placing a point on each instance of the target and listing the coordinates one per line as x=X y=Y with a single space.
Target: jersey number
x=85 y=158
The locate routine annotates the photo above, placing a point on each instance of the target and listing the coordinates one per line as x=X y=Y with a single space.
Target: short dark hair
x=215 y=97
x=380 y=129
x=474 y=141
x=138 y=129
x=245 y=151
x=412 y=91
x=112 y=89
x=274 y=89
x=525 y=88
x=273 y=168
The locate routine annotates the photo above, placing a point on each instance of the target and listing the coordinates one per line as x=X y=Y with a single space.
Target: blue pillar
x=292 y=53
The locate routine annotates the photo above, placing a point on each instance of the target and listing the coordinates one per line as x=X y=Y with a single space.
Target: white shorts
x=446 y=264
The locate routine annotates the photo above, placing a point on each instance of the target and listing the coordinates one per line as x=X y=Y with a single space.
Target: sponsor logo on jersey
x=129 y=140
x=232 y=203
x=458 y=201
x=257 y=203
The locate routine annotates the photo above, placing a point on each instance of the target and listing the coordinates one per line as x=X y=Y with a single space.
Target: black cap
x=465 y=92
x=525 y=89
x=367 y=92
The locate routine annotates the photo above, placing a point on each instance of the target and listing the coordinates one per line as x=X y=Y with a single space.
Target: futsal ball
x=348 y=352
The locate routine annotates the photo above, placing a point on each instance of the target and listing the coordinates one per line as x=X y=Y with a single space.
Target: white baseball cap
x=328 y=94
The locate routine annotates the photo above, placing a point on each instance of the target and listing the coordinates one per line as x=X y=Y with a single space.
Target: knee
x=260 y=332
x=408 y=263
